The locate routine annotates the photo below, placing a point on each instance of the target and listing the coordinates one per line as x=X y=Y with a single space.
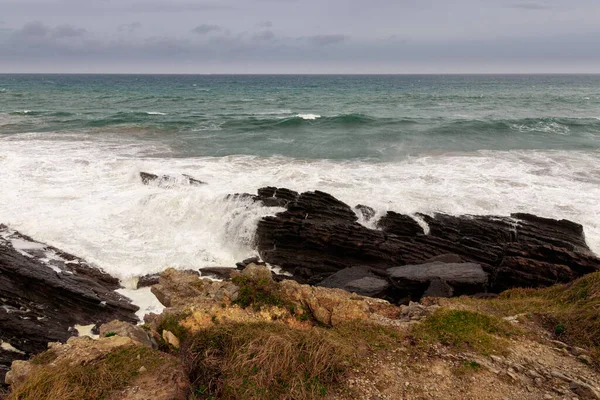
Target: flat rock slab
x=449 y=272
x=358 y=280
x=439 y=279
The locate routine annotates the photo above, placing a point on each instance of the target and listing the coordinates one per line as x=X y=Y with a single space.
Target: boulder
x=124 y=329
x=45 y=293
x=444 y=278
x=359 y=280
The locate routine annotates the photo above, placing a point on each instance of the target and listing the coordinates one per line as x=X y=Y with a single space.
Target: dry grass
x=274 y=361
x=95 y=380
x=570 y=311
x=466 y=330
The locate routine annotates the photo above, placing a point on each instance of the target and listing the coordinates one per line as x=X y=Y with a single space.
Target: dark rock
x=367 y=212
x=41 y=300
x=359 y=280
x=248 y=261
x=223 y=273
x=398 y=224
x=148 y=280
x=463 y=278
x=445 y=258
x=168 y=181
x=439 y=288
x=318 y=235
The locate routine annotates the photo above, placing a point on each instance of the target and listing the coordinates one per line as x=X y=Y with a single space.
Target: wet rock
x=45 y=292
x=367 y=212
x=462 y=278
x=317 y=236
x=398 y=224
x=217 y=272
x=147 y=280
x=168 y=181
x=359 y=280
x=248 y=261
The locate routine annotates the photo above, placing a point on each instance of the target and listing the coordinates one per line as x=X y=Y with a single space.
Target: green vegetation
x=44 y=358
x=95 y=380
x=465 y=329
x=258 y=292
x=110 y=334
x=467 y=367
x=571 y=311
x=171 y=323
x=273 y=361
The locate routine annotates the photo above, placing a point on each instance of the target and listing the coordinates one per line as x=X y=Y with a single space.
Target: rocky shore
x=340 y=265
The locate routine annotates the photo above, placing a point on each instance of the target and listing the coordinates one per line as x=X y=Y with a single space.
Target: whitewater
x=85 y=196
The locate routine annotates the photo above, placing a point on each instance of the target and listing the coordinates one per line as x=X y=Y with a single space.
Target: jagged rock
x=176 y=288
x=463 y=278
x=45 y=292
x=147 y=280
x=168 y=181
x=359 y=280
x=367 y=212
x=124 y=329
x=318 y=235
x=248 y=261
x=217 y=272
x=398 y=224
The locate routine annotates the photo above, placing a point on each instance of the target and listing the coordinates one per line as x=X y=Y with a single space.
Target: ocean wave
x=155 y=113
x=310 y=117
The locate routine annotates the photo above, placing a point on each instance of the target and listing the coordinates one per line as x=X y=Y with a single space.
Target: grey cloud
x=173 y=6
x=206 y=28
x=68 y=31
x=324 y=40
x=129 y=28
x=530 y=6
x=33 y=29
x=265 y=24
x=266 y=35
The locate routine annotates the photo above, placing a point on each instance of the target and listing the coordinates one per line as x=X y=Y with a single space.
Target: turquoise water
x=328 y=117
x=72 y=147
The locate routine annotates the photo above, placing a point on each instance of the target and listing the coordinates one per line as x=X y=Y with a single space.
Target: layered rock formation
x=45 y=293
x=318 y=235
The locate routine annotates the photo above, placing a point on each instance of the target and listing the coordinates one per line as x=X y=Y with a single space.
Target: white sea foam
x=308 y=116
x=85 y=196
x=155 y=113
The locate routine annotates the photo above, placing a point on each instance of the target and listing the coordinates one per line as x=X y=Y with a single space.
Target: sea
x=72 y=148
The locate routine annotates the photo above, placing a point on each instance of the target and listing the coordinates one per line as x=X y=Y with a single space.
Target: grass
x=171 y=323
x=95 y=380
x=258 y=292
x=463 y=329
x=270 y=360
x=570 y=311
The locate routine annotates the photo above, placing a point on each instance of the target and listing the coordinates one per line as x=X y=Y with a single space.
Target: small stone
x=143 y=369
x=577 y=351
x=171 y=339
x=548 y=397
x=560 y=375
x=585 y=359
x=533 y=374
x=496 y=359
x=559 y=344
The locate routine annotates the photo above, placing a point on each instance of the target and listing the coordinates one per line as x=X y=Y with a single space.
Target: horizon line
x=301 y=73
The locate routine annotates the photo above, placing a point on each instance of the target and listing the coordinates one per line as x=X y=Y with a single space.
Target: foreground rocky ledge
x=45 y=293
x=318 y=236
x=253 y=338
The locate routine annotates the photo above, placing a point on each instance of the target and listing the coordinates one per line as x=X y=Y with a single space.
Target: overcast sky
x=299 y=36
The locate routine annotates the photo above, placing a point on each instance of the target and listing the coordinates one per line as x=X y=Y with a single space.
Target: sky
x=300 y=36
